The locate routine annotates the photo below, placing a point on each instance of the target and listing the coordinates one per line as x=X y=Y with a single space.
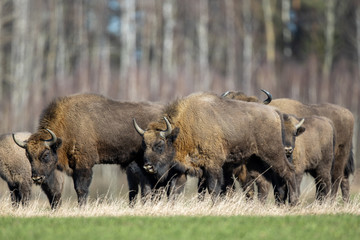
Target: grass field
x=108 y=216
x=232 y=218
x=181 y=227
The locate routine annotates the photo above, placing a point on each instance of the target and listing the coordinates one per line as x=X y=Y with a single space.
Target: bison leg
x=215 y=181
x=322 y=183
x=229 y=183
x=53 y=187
x=25 y=192
x=14 y=194
x=177 y=185
x=202 y=188
x=82 y=180
x=345 y=189
x=263 y=187
x=133 y=182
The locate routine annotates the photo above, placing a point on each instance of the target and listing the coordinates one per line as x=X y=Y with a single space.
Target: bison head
x=292 y=129
x=158 y=147
x=41 y=152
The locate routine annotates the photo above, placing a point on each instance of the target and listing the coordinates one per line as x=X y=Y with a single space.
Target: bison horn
x=269 y=97
x=53 y=138
x=138 y=129
x=168 y=130
x=299 y=124
x=224 y=94
x=21 y=144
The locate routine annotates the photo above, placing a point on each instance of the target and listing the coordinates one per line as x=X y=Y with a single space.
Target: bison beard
x=203 y=132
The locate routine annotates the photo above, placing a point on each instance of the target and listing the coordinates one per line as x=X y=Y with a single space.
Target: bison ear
x=299 y=131
x=56 y=145
x=173 y=135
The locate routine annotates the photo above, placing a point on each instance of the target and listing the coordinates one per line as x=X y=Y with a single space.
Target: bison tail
x=350 y=165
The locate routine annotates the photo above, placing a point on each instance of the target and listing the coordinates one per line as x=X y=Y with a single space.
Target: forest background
x=159 y=50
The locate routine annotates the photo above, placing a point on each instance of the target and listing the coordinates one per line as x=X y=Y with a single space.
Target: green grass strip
x=237 y=227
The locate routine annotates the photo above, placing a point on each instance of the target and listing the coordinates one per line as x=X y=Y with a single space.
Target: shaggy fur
x=211 y=133
x=90 y=129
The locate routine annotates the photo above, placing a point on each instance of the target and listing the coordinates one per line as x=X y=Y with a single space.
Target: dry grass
x=185 y=206
x=110 y=199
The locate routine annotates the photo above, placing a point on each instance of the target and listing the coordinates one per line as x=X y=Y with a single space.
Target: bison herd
x=217 y=139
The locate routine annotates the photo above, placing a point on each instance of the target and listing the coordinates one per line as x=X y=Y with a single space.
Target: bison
x=313 y=153
x=343 y=121
x=202 y=134
x=78 y=131
x=15 y=169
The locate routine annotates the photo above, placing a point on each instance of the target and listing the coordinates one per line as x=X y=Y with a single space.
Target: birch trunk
x=168 y=45
x=231 y=48
x=128 y=40
x=202 y=30
x=19 y=62
x=247 y=46
x=269 y=31
x=358 y=34
x=329 y=43
x=155 y=22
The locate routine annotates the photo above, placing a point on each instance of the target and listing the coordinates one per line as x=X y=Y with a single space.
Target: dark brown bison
x=76 y=132
x=203 y=134
x=15 y=169
x=343 y=121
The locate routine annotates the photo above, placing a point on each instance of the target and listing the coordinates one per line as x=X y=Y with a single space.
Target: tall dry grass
x=186 y=205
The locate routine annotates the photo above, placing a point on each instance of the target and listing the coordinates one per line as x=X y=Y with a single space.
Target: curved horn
x=224 y=94
x=21 y=144
x=53 y=138
x=299 y=124
x=168 y=130
x=269 y=97
x=138 y=129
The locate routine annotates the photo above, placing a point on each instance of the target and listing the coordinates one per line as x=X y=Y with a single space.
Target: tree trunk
x=285 y=17
x=128 y=50
x=202 y=29
x=247 y=46
x=329 y=43
x=169 y=24
x=20 y=60
x=231 y=47
x=269 y=31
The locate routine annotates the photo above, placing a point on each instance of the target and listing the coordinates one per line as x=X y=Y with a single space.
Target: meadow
x=108 y=216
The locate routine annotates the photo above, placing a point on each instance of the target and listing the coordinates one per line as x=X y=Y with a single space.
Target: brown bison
x=76 y=132
x=313 y=153
x=15 y=169
x=203 y=134
x=343 y=121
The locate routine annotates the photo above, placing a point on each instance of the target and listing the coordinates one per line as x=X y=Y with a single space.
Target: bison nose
x=38 y=179
x=149 y=168
x=288 y=151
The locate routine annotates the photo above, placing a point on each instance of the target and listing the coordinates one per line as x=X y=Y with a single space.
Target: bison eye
x=159 y=147
x=45 y=157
